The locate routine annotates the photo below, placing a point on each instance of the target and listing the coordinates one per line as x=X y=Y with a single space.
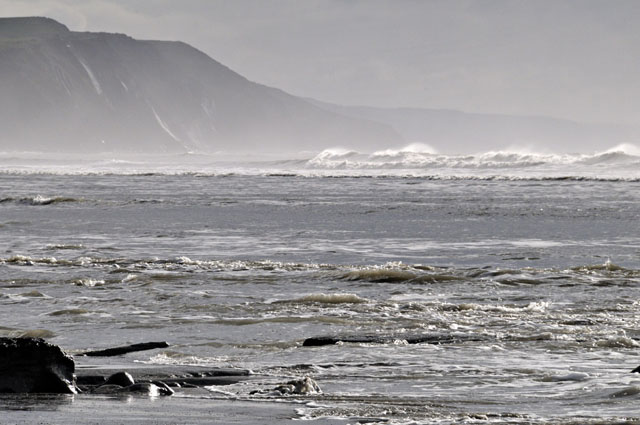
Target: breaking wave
x=322 y=298
x=619 y=163
x=607 y=274
x=423 y=157
x=39 y=200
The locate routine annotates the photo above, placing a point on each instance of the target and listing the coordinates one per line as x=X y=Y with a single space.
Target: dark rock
x=147 y=388
x=636 y=370
x=302 y=386
x=222 y=372
x=436 y=339
x=117 y=351
x=184 y=384
x=141 y=388
x=223 y=376
x=305 y=385
x=31 y=365
x=163 y=388
x=626 y=392
x=123 y=379
x=172 y=376
x=90 y=380
x=205 y=381
x=107 y=389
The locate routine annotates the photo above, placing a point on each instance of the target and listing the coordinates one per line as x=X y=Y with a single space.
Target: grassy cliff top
x=18 y=28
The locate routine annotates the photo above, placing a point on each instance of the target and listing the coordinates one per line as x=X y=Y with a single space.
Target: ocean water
x=525 y=265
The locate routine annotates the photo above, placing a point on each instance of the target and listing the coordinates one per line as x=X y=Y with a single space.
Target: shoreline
x=192 y=402
x=119 y=409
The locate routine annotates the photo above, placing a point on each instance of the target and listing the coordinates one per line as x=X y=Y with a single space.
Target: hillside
x=98 y=92
x=456 y=132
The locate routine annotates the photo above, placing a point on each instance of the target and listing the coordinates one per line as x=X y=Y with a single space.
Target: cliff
x=99 y=92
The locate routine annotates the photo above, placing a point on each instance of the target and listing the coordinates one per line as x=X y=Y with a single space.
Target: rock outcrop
x=435 y=339
x=31 y=365
x=123 y=383
x=304 y=385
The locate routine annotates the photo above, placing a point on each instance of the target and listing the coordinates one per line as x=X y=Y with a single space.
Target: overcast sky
x=577 y=59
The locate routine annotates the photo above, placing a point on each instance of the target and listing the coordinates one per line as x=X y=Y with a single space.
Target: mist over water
x=420 y=160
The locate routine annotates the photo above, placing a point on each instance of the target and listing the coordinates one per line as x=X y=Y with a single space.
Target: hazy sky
x=577 y=59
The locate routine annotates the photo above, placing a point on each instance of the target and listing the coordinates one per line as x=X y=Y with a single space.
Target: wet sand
x=191 y=404
x=177 y=409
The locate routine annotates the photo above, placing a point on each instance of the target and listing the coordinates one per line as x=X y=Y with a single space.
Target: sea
x=519 y=270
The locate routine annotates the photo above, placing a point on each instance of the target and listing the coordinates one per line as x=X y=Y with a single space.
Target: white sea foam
x=422 y=156
x=537 y=307
x=418 y=148
x=89 y=283
x=625 y=148
x=330 y=299
x=571 y=376
x=174 y=358
x=618 y=341
x=620 y=163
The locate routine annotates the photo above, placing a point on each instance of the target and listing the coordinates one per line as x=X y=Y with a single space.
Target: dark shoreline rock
x=123 y=383
x=302 y=386
x=164 y=377
x=32 y=365
x=117 y=351
x=122 y=379
x=436 y=339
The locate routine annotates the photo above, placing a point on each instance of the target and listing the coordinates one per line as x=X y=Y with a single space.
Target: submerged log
x=117 y=351
x=388 y=339
x=32 y=365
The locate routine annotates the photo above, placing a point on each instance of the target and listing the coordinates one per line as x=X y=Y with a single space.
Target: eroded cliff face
x=98 y=92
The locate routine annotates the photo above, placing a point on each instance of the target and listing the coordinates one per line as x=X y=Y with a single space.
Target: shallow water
x=536 y=280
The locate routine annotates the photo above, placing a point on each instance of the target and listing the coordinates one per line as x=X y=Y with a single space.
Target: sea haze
x=72 y=92
x=469 y=267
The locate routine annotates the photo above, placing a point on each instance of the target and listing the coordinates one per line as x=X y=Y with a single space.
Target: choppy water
x=533 y=267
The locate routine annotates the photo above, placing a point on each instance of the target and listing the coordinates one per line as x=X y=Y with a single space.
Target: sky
x=572 y=59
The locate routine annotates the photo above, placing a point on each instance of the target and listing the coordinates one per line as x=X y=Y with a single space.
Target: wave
x=145 y=270
x=532 y=307
x=26 y=333
x=175 y=358
x=619 y=163
x=321 y=298
x=39 y=200
x=391 y=272
x=426 y=158
x=56 y=247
